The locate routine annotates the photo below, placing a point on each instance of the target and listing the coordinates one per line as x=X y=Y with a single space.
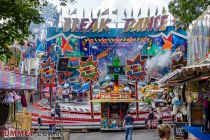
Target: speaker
x=63 y=64
x=84 y=58
x=4 y=109
x=185 y=135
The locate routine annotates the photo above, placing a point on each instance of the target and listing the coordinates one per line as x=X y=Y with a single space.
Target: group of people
x=164 y=130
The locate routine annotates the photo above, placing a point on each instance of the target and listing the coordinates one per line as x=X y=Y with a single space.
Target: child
x=159 y=116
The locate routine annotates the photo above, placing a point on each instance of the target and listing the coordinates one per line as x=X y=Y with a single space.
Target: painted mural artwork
x=161 y=50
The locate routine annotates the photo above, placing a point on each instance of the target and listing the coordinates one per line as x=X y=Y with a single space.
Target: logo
x=18 y=133
x=28 y=133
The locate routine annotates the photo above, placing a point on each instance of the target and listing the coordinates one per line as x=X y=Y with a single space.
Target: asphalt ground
x=141 y=134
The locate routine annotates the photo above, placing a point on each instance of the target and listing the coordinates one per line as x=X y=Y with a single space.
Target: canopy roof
x=186 y=74
x=11 y=80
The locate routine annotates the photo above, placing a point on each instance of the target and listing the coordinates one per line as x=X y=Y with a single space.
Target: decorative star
x=65 y=46
x=103 y=41
x=89 y=69
x=130 y=40
x=167 y=43
x=48 y=71
x=135 y=68
x=117 y=40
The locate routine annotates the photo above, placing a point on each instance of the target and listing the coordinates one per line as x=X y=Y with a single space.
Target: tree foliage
x=15 y=19
x=188 y=10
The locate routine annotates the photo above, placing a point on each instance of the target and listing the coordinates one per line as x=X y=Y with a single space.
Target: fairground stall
x=15 y=88
x=193 y=81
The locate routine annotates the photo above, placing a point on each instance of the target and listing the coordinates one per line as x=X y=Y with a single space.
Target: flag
x=125 y=14
x=115 y=12
x=132 y=12
x=164 y=11
x=156 y=12
x=83 y=13
x=148 y=12
x=61 y=12
x=139 y=12
x=106 y=12
x=69 y=12
x=99 y=12
x=74 y=12
x=91 y=14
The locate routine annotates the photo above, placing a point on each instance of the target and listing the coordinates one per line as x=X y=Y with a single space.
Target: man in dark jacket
x=128 y=125
x=58 y=109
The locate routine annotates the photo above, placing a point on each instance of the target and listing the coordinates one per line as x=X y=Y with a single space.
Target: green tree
x=187 y=10
x=15 y=19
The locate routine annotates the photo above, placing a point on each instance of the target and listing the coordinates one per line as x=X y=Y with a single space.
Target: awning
x=186 y=74
x=115 y=101
x=11 y=80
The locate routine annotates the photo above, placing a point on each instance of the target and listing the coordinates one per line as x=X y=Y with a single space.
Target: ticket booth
x=112 y=115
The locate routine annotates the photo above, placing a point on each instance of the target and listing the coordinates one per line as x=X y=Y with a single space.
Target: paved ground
x=137 y=135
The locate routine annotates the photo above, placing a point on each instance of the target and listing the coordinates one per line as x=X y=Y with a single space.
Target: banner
x=48 y=72
x=135 y=68
x=89 y=69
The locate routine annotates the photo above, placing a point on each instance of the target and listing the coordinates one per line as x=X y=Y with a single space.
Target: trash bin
x=66 y=135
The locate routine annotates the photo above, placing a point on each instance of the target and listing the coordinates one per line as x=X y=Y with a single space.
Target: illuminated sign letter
x=163 y=22
x=150 y=24
x=93 y=25
x=129 y=24
x=137 y=27
x=103 y=25
x=75 y=25
x=83 y=24
x=156 y=23
x=67 y=25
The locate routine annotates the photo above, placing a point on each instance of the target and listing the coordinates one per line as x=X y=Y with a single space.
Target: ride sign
x=89 y=69
x=135 y=68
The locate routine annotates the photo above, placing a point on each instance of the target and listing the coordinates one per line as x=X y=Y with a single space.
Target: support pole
x=121 y=111
x=50 y=94
x=91 y=104
x=40 y=91
x=137 y=104
x=108 y=110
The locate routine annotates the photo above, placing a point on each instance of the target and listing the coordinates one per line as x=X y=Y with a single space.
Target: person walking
x=58 y=109
x=52 y=112
x=206 y=105
x=39 y=121
x=52 y=124
x=128 y=125
x=164 y=131
x=159 y=115
x=150 y=118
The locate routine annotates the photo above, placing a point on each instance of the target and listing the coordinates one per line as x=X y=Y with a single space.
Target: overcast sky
x=113 y=5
